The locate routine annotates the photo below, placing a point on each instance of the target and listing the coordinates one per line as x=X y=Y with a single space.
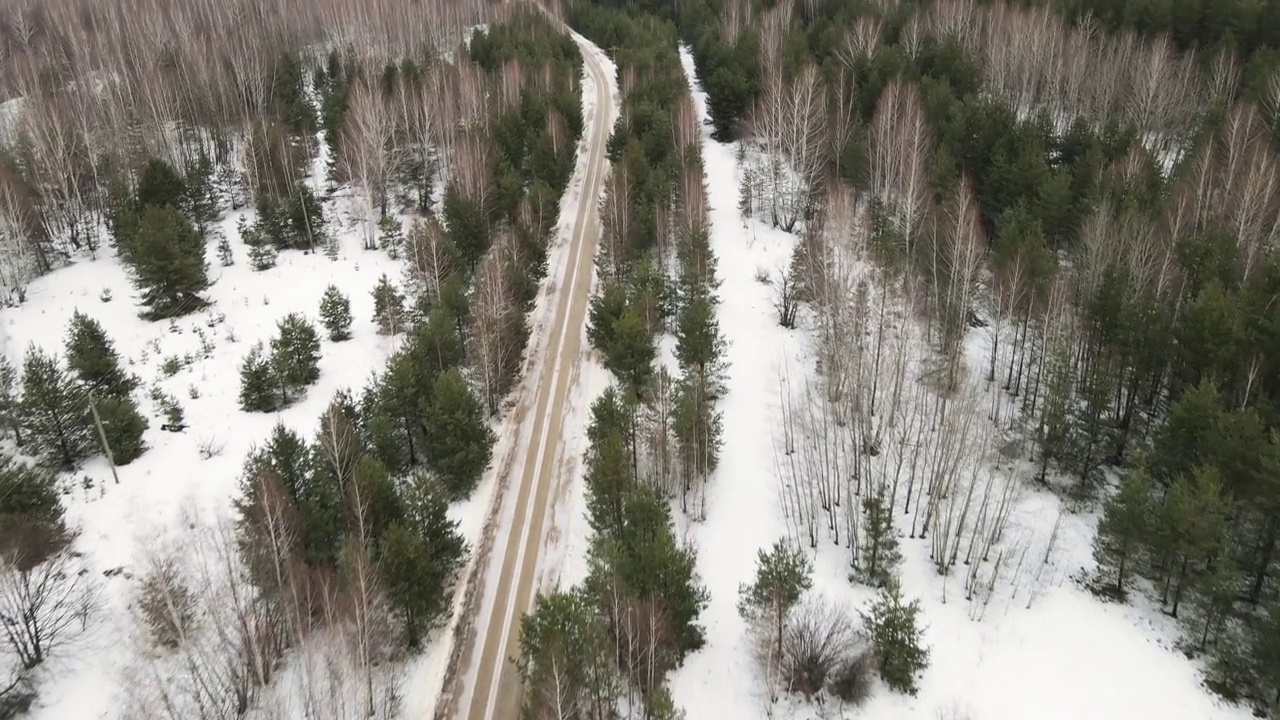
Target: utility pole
x=102 y=435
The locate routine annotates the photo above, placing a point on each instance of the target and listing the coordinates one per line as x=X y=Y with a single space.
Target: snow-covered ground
x=122 y=525
x=1041 y=647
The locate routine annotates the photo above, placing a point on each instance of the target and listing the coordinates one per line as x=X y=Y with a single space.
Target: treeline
x=653 y=438
x=1102 y=208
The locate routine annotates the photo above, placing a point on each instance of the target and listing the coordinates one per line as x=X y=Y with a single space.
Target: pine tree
x=201 y=194
x=1122 y=529
x=92 y=357
x=421 y=555
x=335 y=313
x=895 y=633
x=1266 y=653
x=633 y=351
x=31 y=513
x=878 y=554
x=167 y=258
x=159 y=186
x=782 y=577
x=295 y=354
x=123 y=426
x=262 y=249
x=225 y=255
x=259 y=387
x=10 y=403
x=388 y=307
x=457 y=441
x=390 y=236
x=55 y=411
x=1191 y=530
x=565 y=658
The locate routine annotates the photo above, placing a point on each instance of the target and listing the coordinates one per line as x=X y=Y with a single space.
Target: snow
x=158 y=494
x=563 y=561
x=1040 y=646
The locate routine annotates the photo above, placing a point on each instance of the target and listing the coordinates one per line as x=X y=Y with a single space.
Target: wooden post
x=102 y=435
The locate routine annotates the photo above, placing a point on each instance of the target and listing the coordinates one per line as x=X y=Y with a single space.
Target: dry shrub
x=166 y=604
x=852 y=680
x=820 y=646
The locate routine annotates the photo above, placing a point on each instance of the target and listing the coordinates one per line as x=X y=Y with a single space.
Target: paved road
x=494 y=691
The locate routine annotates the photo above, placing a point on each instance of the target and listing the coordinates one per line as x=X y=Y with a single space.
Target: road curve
x=492 y=689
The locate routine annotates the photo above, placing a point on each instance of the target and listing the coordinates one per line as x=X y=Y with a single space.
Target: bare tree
x=493 y=346
x=45 y=606
x=431 y=259
x=899 y=160
x=365 y=154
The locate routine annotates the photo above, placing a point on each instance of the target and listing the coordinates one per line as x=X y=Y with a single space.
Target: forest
x=1075 y=206
x=157 y=134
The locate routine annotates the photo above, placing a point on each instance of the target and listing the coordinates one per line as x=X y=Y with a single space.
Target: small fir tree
x=420 y=556
x=782 y=577
x=458 y=441
x=894 y=629
x=123 y=427
x=259 y=389
x=335 y=313
x=10 y=405
x=878 y=554
x=92 y=357
x=295 y=354
x=55 y=411
x=262 y=251
x=168 y=264
x=159 y=185
x=225 y=255
x=388 y=307
x=390 y=236
x=1121 y=530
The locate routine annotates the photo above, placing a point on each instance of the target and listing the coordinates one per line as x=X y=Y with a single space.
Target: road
x=492 y=688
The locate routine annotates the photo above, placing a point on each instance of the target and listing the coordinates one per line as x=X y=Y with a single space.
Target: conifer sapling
x=335 y=313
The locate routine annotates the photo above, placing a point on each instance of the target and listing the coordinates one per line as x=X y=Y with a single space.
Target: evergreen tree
x=262 y=250
x=335 y=313
x=878 y=554
x=699 y=345
x=200 y=192
x=465 y=225
x=10 y=403
x=295 y=355
x=645 y=563
x=633 y=351
x=421 y=555
x=1266 y=653
x=565 y=659
x=31 y=514
x=92 y=357
x=55 y=411
x=123 y=426
x=1191 y=530
x=225 y=255
x=167 y=259
x=895 y=633
x=782 y=577
x=388 y=307
x=390 y=236
x=457 y=441
x=1122 y=530
x=259 y=387
x=159 y=186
